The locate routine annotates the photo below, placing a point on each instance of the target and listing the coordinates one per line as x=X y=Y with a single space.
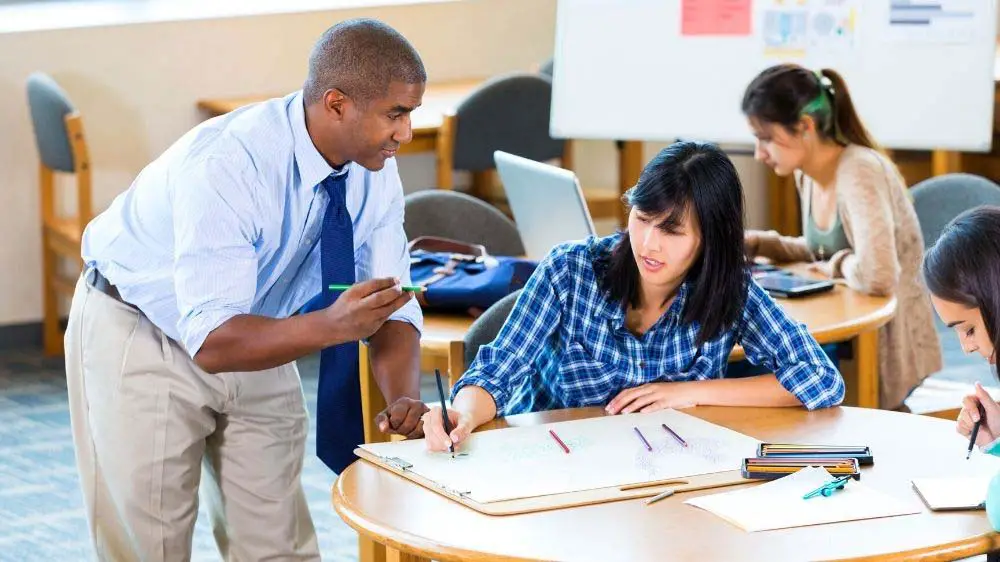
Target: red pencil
x=560 y=441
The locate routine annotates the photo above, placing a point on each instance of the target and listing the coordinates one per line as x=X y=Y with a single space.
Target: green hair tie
x=822 y=106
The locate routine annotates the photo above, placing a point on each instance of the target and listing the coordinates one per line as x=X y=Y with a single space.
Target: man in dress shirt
x=183 y=333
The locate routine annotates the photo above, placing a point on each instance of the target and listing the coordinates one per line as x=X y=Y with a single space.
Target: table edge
x=413 y=544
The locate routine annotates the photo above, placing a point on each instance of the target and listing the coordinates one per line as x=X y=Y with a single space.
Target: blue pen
x=827 y=490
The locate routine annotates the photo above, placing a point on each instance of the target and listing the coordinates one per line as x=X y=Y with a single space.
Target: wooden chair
x=509 y=113
x=62 y=149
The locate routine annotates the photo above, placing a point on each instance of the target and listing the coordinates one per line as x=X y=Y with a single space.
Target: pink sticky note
x=715 y=17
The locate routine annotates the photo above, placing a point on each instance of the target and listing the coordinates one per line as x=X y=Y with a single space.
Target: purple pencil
x=641 y=436
x=677 y=437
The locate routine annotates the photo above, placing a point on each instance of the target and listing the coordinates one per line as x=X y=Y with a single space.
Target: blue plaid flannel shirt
x=565 y=344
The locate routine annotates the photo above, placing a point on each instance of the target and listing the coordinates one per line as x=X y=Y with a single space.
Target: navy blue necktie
x=339 y=425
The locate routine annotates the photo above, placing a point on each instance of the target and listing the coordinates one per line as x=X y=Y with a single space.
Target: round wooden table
x=416 y=523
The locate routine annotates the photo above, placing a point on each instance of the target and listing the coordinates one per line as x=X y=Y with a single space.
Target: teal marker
x=412 y=289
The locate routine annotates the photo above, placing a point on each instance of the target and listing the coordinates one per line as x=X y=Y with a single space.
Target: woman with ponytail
x=858 y=221
x=645 y=319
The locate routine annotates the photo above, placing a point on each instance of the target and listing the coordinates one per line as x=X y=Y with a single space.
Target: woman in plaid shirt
x=645 y=319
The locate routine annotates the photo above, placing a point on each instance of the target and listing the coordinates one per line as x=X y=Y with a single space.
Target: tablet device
x=791 y=286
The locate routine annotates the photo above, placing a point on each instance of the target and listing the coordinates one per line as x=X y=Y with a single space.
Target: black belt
x=102 y=284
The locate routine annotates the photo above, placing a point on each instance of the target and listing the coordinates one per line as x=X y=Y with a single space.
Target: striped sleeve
x=772 y=339
x=509 y=361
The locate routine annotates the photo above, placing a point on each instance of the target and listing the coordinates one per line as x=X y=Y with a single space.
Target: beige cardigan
x=885 y=258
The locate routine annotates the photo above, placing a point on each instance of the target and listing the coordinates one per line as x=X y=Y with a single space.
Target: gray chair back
x=485 y=328
x=547 y=67
x=940 y=199
x=461 y=217
x=509 y=113
x=49 y=106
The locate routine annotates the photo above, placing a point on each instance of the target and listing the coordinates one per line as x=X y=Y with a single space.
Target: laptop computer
x=546 y=201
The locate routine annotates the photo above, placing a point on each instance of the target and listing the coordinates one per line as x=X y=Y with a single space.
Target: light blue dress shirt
x=227 y=221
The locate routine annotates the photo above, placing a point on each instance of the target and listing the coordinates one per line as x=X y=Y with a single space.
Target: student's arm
x=763 y=390
x=803 y=372
x=502 y=368
x=871 y=265
x=781 y=249
x=778 y=248
x=986 y=438
x=770 y=338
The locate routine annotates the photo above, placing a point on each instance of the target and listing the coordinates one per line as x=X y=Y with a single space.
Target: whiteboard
x=921 y=72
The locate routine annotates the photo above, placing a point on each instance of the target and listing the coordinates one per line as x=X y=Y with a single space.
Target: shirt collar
x=313 y=168
x=614 y=311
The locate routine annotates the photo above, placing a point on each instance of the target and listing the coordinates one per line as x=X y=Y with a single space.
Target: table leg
x=456 y=362
x=861 y=371
x=372 y=402
x=393 y=555
x=370 y=551
x=629 y=169
x=945 y=162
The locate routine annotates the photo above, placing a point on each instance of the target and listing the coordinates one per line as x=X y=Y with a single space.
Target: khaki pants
x=146 y=420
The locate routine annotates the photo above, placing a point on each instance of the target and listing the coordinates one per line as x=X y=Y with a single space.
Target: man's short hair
x=360 y=57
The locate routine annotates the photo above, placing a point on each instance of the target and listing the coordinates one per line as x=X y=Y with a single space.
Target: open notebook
x=953 y=494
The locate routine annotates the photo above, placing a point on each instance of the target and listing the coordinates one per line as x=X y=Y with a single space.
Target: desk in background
x=418 y=524
x=429 y=129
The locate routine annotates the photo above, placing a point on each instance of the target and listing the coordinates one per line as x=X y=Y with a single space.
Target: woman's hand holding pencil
x=989 y=429
x=434 y=434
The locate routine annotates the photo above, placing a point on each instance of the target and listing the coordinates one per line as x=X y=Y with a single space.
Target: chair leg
x=456 y=362
x=52 y=336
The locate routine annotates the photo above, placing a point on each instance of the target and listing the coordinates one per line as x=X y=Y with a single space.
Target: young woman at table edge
x=645 y=319
x=963 y=273
x=858 y=221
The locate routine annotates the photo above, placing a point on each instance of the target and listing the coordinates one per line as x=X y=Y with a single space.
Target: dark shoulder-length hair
x=963 y=266
x=698 y=177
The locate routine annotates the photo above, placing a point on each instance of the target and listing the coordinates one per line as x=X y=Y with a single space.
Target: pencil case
x=769 y=468
x=788 y=450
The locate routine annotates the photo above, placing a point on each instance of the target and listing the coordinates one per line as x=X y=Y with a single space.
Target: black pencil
x=444 y=412
x=975 y=431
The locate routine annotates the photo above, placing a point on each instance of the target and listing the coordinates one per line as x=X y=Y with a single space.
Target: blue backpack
x=460 y=277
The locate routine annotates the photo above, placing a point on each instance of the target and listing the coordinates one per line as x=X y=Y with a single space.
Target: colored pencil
x=659 y=497
x=641 y=436
x=412 y=289
x=677 y=437
x=560 y=441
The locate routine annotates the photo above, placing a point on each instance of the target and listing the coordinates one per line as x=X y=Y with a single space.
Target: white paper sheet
x=779 y=505
x=522 y=462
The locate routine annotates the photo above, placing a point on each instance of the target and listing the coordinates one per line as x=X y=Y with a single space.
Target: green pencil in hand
x=412 y=289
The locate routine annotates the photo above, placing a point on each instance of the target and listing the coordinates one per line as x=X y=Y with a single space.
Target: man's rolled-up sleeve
x=215 y=265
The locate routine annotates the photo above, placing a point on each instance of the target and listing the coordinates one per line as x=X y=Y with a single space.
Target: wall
x=137 y=85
